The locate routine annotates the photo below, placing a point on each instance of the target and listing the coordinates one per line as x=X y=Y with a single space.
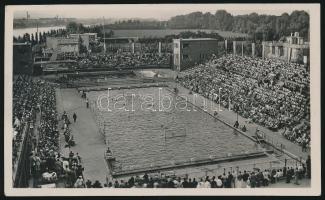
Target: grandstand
x=192 y=142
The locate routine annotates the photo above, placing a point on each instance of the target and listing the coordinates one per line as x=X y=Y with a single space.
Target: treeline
x=137 y=24
x=74 y=27
x=184 y=35
x=71 y=27
x=189 y=34
x=40 y=37
x=259 y=27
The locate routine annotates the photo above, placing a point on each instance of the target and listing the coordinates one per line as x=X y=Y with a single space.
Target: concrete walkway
x=230 y=117
x=89 y=143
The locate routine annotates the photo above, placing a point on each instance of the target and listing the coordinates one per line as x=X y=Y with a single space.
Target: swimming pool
x=142 y=134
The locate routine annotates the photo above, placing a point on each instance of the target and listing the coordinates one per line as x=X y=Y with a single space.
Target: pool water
x=148 y=137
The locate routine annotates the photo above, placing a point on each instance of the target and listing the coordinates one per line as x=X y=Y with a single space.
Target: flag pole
x=37 y=31
x=104 y=34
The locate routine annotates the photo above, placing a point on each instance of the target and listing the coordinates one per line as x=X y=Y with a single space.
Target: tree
x=33 y=40
x=299 y=22
x=36 y=37
x=39 y=37
x=44 y=37
x=72 y=27
x=259 y=27
x=19 y=39
x=26 y=37
x=282 y=24
x=224 y=20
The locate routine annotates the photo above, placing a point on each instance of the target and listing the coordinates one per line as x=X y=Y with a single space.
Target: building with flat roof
x=188 y=52
x=86 y=38
x=293 y=49
x=63 y=45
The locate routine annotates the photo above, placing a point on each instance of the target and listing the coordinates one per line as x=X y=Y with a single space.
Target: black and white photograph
x=162 y=99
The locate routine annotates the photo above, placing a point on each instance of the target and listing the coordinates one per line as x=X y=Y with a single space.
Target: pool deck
x=90 y=144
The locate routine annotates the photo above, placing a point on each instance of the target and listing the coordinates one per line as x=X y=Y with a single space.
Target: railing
x=249 y=167
x=193 y=162
x=273 y=142
x=21 y=167
x=280 y=148
x=219 y=169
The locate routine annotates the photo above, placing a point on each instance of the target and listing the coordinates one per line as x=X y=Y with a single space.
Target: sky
x=157 y=11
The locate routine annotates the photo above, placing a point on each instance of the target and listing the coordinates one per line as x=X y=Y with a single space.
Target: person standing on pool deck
x=74 y=117
x=236 y=125
x=87 y=103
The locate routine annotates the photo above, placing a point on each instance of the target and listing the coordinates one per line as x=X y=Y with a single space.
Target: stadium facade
x=293 y=49
x=187 y=52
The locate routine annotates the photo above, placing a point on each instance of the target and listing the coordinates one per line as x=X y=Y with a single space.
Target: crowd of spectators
x=45 y=149
x=47 y=165
x=232 y=179
x=146 y=54
x=66 y=56
x=25 y=103
x=123 y=60
x=258 y=89
x=153 y=47
x=299 y=134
